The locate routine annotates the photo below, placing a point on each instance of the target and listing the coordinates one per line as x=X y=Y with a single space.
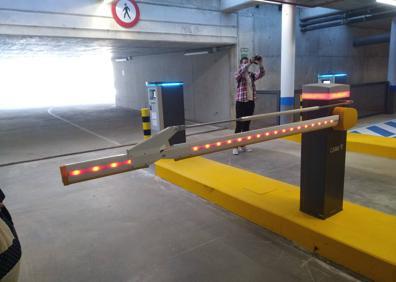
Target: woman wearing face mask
x=246 y=94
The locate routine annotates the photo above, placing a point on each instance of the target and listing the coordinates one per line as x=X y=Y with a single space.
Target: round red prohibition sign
x=125 y=12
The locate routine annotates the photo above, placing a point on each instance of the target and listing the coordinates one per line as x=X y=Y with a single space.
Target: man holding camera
x=246 y=94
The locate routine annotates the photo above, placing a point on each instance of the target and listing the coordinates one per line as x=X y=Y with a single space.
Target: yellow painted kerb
x=361 y=239
x=365 y=144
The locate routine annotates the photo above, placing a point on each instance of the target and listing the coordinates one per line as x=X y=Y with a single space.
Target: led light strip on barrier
x=188 y=150
x=146 y=153
x=87 y=170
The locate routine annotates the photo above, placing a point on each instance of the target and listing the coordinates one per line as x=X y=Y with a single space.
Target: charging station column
x=166 y=104
x=322 y=154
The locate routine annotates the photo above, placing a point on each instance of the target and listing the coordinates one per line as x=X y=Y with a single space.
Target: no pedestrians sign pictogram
x=126 y=13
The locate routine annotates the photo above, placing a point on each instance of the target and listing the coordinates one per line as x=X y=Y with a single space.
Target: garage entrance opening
x=40 y=81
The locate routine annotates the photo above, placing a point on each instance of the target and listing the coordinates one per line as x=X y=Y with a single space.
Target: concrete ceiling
x=333 y=4
x=235 y=5
x=18 y=46
x=380 y=24
x=349 y=4
x=15 y=46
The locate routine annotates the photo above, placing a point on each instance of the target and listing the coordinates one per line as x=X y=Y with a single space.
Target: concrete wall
x=208 y=82
x=320 y=51
x=210 y=86
x=168 y=20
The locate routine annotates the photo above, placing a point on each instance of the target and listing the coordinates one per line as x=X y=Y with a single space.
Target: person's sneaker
x=245 y=149
x=235 y=151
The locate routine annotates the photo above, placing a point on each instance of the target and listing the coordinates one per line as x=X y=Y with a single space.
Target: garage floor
x=136 y=227
x=39 y=133
x=369 y=181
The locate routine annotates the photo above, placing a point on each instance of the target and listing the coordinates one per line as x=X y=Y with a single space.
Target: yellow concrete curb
x=365 y=144
x=361 y=239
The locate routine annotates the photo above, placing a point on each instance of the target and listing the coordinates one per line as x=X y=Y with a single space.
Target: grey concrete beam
x=230 y=6
x=84 y=18
x=99 y=34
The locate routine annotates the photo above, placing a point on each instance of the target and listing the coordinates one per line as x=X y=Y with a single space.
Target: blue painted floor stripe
x=380 y=131
x=391 y=123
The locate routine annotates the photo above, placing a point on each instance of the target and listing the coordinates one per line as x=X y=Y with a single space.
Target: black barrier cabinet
x=173 y=107
x=322 y=166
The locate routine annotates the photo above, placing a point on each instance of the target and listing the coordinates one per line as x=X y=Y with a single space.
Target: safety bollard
x=146 y=123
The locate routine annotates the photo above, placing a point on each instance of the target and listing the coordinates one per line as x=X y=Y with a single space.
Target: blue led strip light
x=332 y=75
x=165 y=84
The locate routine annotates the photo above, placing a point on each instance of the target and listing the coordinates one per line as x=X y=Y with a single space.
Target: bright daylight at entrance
x=50 y=81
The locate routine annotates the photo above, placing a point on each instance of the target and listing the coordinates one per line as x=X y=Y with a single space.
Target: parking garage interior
x=73 y=85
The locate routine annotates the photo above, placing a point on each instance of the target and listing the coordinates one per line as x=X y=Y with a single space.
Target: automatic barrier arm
x=157 y=147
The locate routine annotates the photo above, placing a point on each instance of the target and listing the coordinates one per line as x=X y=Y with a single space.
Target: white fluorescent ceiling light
x=126 y=59
x=388 y=2
x=196 y=53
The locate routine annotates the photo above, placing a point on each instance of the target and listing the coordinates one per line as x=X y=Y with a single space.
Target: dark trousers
x=243 y=109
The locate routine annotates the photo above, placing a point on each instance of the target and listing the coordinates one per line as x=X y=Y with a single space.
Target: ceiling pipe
x=344 y=15
x=351 y=20
x=354 y=12
x=371 y=40
x=323 y=20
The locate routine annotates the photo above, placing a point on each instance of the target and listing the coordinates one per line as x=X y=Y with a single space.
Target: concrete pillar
x=288 y=57
x=391 y=103
x=392 y=55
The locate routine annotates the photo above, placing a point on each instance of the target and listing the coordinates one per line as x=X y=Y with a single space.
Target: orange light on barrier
x=95 y=168
x=98 y=168
x=284 y=131
x=326 y=96
x=75 y=172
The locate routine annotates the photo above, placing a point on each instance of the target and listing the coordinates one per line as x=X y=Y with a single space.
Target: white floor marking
x=82 y=128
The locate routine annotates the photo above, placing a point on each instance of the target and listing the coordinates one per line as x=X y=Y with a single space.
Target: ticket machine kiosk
x=166 y=105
